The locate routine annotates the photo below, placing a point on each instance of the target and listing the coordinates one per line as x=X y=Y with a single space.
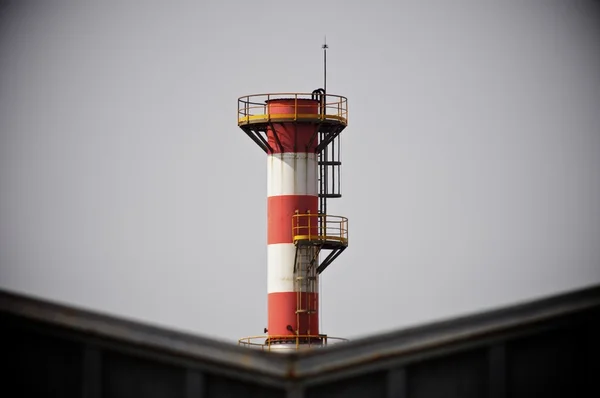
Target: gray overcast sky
x=471 y=172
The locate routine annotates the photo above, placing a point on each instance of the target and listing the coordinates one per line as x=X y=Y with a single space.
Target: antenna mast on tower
x=325 y=47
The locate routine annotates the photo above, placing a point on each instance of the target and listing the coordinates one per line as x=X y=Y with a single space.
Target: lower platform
x=286 y=343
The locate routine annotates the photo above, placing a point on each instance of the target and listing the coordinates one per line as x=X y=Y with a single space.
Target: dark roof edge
x=447 y=332
x=139 y=334
x=354 y=354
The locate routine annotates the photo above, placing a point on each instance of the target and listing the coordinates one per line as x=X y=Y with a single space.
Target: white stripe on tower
x=292 y=173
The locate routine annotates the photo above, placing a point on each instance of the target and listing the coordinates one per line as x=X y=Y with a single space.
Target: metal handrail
x=254 y=108
x=267 y=340
x=319 y=227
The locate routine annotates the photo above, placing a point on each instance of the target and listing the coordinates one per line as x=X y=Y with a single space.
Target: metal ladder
x=305 y=281
x=329 y=173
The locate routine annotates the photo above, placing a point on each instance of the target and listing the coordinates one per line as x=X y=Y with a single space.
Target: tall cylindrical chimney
x=292 y=187
x=296 y=131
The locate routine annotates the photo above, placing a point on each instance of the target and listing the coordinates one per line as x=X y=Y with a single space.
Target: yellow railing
x=319 y=227
x=265 y=342
x=256 y=108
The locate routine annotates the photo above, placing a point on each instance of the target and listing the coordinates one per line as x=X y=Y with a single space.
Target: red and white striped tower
x=292 y=187
x=300 y=134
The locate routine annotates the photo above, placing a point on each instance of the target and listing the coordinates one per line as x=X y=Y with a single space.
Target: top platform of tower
x=259 y=111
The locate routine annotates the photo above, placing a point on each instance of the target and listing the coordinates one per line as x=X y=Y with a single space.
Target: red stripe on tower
x=280 y=210
x=293 y=137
